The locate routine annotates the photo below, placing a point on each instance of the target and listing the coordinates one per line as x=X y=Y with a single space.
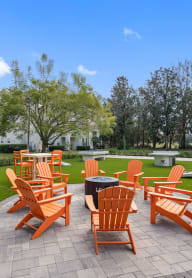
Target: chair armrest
x=61 y=174
x=133 y=207
x=139 y=174
x=64 y=196
x=178 y=190
x=119 y=173
x=173 y=198
x=66 y=176
x=167 y=183
x=37 y=186
x=83 y=174
x=37 y=181
x=154 y=178
x=42 y=191
x=46 y=178
x=102 y=172
x=90 y=203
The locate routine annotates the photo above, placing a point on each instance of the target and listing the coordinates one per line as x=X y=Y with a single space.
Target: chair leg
x=24 y=220
x=42 y=228
x=153 y=211
x=96 y=245
x=17 y=205
x=47 y=223
x=131 y=239
x=65 y=189
x=145 y=195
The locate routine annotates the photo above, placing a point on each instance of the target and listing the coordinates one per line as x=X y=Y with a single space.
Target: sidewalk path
x=145 y=157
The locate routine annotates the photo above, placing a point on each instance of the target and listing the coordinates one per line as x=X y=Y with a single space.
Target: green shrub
x=9 y=148
x=54 y=147
x=70 y=155
x=83 y=148
x=6 y=161
x=131 y=151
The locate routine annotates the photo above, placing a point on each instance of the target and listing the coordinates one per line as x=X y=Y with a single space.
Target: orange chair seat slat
x=170 y=206
x=51 y=209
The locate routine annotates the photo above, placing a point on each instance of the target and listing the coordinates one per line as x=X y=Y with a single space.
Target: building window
x=63 y=140
x=94 y=133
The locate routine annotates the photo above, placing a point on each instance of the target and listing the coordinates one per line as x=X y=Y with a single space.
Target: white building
x=69 y=141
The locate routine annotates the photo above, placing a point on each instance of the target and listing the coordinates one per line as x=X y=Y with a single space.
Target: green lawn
x=110 y=166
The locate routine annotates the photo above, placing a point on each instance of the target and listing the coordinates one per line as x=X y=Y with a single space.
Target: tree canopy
x=57 y=107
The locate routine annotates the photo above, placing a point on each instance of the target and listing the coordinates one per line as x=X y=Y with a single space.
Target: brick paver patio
x=163 y=250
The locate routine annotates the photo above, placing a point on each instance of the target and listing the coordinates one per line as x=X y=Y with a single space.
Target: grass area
x=110 y=166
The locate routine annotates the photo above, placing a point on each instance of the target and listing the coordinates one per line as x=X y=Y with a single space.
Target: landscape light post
x=28 y=105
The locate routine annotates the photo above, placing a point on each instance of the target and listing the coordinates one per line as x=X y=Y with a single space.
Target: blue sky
x=103 y=39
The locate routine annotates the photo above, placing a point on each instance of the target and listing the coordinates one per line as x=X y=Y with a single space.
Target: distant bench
x=98 y=155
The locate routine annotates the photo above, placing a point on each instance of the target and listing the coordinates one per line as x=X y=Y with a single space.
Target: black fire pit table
x=95 y=184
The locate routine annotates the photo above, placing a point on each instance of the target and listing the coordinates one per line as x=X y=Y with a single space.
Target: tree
x=122 y=105
x=56 y=107
x=184 y=111
x=151 y=111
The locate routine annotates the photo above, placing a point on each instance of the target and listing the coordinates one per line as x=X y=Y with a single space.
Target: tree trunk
x=170 y=142
x=44 y=146
x=124 y=142
x=166 y=142
x=143 y=139
x=154 y=142
x=183 y=140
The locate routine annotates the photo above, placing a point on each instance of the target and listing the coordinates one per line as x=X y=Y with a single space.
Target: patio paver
x=163 y=250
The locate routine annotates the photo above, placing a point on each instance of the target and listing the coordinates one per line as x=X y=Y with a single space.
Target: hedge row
x=83 y=148
x=54 y=147
x=9 y=148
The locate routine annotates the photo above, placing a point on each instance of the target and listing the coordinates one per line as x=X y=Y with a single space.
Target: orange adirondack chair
x=133 y=173
x=56 y=158
x=91 y=169
x=45 y=173
x=171 y=181
x=21 y=202
x=115 y=204
x=171 y=206
x=47 y=210
x=26 y=166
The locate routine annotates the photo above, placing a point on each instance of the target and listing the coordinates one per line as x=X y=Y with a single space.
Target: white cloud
x=128 y=32
x=36 y=55
x=4 y=67
x=81 y=69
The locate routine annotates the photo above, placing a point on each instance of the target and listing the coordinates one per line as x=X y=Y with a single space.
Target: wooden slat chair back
x=30 y=198
x=91 y=168
x=175 y=174
x=44 y=169
x=171 y=181
x=12 y=178
x=21 y=202
x=134 y=167
x=56 y=159
x=54 y=180
x=47 y=210
x=132 y=175
x=26 y=166
x=115 y=204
